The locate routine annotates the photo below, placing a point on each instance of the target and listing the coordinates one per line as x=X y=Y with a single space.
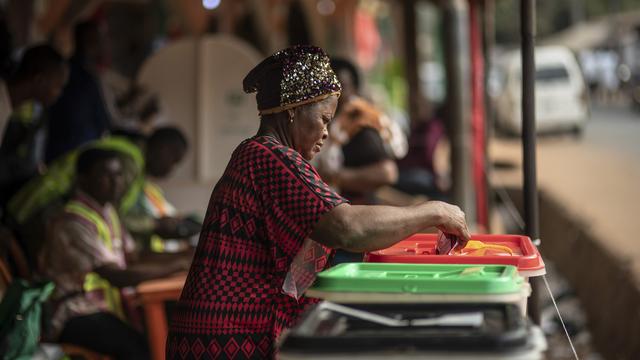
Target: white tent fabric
x=199 y=84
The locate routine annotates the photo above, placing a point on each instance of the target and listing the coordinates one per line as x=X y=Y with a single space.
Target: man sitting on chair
x=90 y=256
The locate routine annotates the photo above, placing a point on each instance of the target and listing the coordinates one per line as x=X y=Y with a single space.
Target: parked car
x=562 y=97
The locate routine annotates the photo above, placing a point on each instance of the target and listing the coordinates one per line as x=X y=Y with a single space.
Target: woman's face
x=309 y=126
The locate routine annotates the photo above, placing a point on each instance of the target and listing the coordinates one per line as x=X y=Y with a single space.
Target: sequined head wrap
x=292 y=77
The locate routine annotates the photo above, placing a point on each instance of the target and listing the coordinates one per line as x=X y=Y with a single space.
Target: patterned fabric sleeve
x=295 y=195
x=260 y=217
x=295 y=199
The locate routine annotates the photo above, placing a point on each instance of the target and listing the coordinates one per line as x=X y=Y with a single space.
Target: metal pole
x=489 y=35
x=411 y=56
x=456 y=15
x=528 y=33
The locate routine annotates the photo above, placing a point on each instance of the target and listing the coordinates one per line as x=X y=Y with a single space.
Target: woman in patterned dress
x=272 y=222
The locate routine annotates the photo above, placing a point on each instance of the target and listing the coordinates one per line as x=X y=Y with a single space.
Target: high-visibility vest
x=158 y=206
x=92 y=281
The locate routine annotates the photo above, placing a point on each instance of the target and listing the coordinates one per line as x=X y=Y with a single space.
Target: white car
x=562 y=98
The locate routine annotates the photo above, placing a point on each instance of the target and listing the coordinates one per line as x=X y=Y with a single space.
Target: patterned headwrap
x=292 y=77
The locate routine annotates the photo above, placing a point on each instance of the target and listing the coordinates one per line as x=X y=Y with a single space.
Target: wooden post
x=456 y=16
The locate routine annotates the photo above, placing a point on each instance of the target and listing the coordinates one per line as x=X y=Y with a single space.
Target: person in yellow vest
x=144 y=210
x=90 y=256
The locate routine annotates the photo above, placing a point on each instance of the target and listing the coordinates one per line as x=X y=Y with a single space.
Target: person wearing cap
x=272 y=223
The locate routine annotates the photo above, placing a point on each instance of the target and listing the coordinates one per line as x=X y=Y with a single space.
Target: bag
x=20 y=313
x=312 y=258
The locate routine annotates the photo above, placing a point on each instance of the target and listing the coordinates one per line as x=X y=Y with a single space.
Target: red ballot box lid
x=420 y=249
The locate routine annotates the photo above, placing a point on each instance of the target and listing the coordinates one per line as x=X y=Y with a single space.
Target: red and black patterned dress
x=261 y=212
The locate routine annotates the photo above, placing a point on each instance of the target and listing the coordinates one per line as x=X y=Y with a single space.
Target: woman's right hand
x=451 y=220
x=364 y=228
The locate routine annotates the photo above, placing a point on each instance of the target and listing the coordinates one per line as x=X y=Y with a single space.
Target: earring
x=291 y=119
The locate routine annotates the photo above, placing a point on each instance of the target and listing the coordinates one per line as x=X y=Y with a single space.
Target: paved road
x=617 y=129
x=596 y=177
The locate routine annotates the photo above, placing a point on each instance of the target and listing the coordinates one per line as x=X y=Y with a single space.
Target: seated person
x=425 y=170
x=80 y=114
x=143 y=160
x=363 y=142
x=152 y=217
x=361 y=154
x=37 y=83
x=90 y=255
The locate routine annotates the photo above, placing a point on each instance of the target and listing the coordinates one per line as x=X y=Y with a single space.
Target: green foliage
x=390 y=76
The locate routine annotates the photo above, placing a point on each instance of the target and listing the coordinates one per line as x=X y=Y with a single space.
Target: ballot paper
x=446 y=244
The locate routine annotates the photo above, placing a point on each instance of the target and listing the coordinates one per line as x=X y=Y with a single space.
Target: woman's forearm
x=368 y=228
x=144 y=270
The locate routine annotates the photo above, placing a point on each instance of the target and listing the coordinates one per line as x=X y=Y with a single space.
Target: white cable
x=511 y=207
x=560 y=316
x=515 y=214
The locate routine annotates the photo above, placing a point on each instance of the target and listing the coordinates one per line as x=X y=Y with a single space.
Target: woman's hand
x=451 y=220
x=361 y=228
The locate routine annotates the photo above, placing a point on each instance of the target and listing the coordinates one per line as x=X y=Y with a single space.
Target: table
x=152 y=295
